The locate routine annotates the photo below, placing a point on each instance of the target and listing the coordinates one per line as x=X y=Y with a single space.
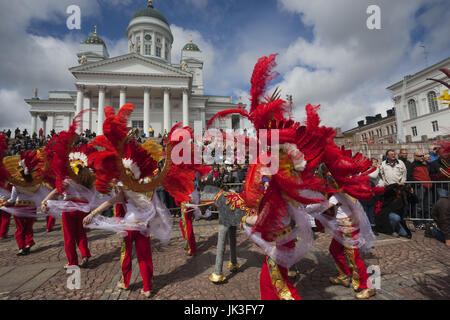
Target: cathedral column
x=33 y=123
x=87 y=116
x=185 y=108
x=44 y=123
x=51 y=117
x=101 y=106
x=123 y=96
x=80 y=94
x=142 y=43
x=167 y=119
x=146 y=110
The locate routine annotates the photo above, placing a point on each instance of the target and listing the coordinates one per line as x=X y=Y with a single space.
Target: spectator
x=41 y=133
x=369 y=206
x=8 y=133
x=151 y=132
x=440 y=171
x=391 y=170
x=418 y=171
x=390 y=218
x=441 y=215
x=403 y=156
x=427 y=159
x=432 y=153
x=17 y=133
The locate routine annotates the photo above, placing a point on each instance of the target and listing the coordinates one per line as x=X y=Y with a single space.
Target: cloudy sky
x=327 y=55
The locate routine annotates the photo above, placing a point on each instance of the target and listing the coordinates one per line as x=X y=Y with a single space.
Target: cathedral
x=163 y=92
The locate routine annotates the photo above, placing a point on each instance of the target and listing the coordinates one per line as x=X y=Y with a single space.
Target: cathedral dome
x=94 y=39
x=191 y=47
x=151 y=12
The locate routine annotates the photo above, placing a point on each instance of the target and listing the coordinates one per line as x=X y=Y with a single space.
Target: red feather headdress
x=57 y=154
x=117 y=156
x=4 y=174
x=179 y=182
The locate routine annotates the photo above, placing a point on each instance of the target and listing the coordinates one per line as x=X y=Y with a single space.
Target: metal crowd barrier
x=428 y=193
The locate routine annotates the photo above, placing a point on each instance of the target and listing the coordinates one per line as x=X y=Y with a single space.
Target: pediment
x=130 y=64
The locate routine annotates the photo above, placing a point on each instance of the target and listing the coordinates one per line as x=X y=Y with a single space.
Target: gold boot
x=343 y=281
x=233 y=267
x=293 y=273
x=366 y=293
x=217 y=278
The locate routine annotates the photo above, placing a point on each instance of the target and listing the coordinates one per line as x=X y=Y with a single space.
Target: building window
x=412 y=109
x=432 y=102
x=414 y=131
x=158 y=52
x=395 y=127
x=147 y=49
x=388 y=131
x=139 y=124
x=435 y=126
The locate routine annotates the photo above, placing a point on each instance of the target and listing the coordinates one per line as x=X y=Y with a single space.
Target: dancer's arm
x=119 y=197
x=12 y=200
x=52 y=195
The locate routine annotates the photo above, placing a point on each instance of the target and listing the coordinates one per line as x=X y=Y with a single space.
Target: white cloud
x=182 y=37
x=12 y=115
x=347 y=67
x=200 y=4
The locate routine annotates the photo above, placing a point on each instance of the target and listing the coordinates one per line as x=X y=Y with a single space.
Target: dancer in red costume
x=5 y=192
x=347 y=221
x=282 y=216
x=25 y=175
x=128 y=169
x=74 y=182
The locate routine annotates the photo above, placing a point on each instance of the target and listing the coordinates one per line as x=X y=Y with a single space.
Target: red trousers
x=355 y=267
x=187 y=229
x=74 y=235
x=144 y=257
x=274 y=283
x=50 y=223
x=24 y=232
x=4 y=224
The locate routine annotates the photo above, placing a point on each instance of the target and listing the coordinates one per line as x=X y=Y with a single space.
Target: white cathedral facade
x=163 y=93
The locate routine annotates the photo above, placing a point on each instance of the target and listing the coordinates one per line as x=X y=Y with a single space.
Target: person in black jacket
x=390 y=219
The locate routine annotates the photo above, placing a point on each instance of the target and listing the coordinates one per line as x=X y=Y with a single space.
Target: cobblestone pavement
x=410 y=269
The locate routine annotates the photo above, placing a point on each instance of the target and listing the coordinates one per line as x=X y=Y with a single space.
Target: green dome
x=150 y=12
x=94 y=40
x=191 y=47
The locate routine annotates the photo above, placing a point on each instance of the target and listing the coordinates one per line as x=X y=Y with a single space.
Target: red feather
x=262 y=75
x=4 y=174
x=225 y=113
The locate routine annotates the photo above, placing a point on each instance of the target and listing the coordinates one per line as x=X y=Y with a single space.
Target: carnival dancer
x=5 y=192
x=27 y=192
x=128 y=169
x=298 y=151
x=188 y=213
x=347 y=222
x=74 y=182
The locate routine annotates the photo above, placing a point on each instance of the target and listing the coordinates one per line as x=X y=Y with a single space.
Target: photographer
x=390 y=218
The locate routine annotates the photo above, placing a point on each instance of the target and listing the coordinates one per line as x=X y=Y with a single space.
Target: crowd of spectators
x=417 y=190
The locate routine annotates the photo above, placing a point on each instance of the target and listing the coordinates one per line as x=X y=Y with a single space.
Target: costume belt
x=25 y=203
